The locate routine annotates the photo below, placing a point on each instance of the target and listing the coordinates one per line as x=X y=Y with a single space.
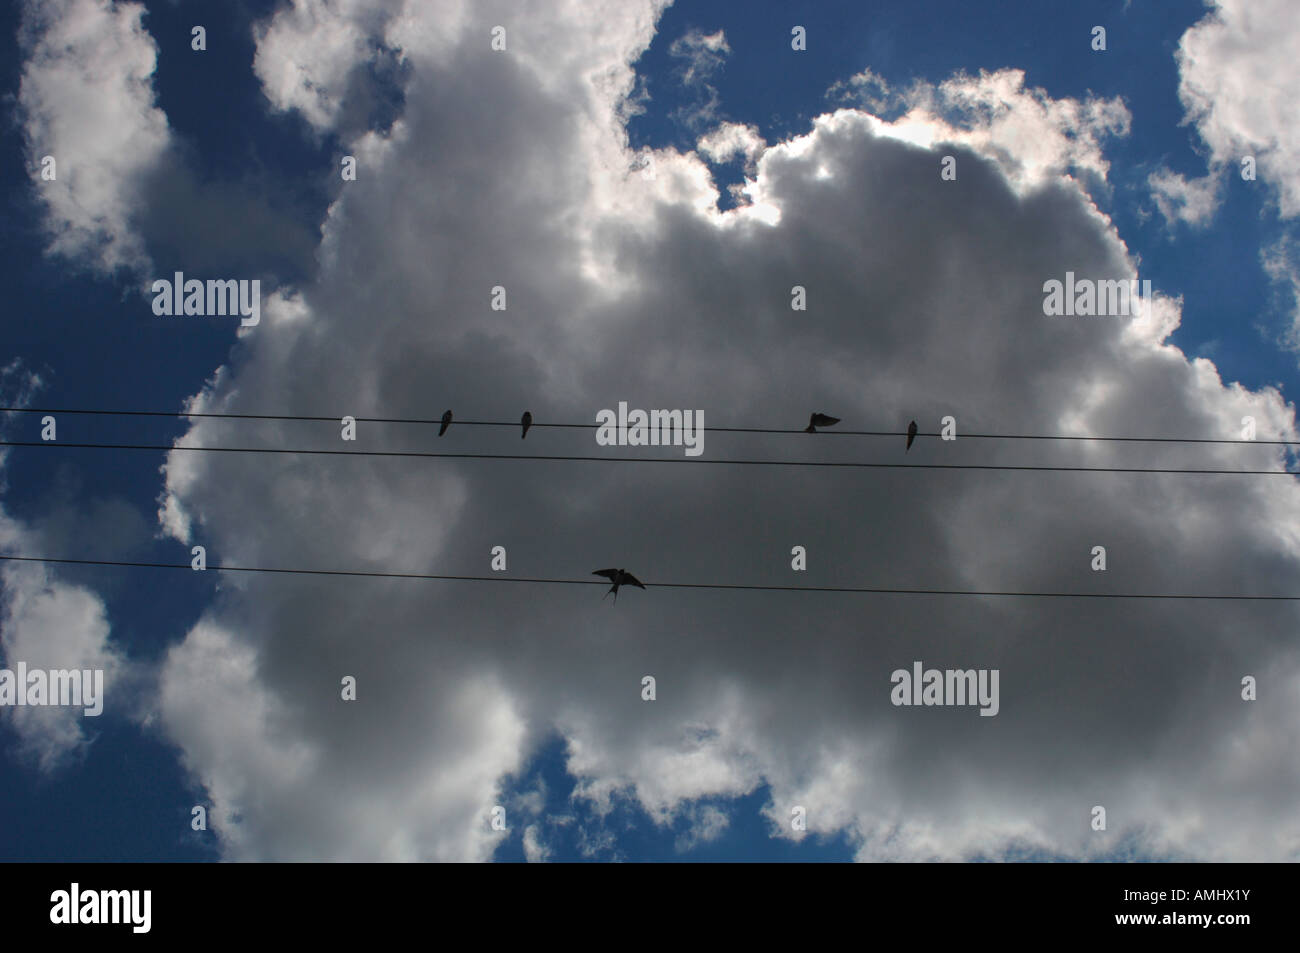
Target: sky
x=566 y=205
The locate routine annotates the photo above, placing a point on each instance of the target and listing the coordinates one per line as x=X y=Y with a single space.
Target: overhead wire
x=875 y=590
x=425 y=421
x=602 y=458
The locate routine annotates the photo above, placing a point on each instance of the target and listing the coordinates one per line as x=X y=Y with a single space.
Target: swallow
x=446 y=422
x=619 y=577
x=820 y=420
x=911 y=435
x=525 y=421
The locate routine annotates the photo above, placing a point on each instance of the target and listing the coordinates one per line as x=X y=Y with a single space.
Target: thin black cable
x=884 y=590
x=604 y=459
x=593 y=426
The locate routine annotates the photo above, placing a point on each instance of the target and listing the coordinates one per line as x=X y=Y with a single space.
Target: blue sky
x=84 y=331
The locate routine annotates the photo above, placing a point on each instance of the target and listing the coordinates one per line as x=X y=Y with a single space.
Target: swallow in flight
x=820 y=420
x=619 y=577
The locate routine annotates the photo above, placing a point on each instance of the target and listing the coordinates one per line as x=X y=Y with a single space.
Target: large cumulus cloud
x=924 y=299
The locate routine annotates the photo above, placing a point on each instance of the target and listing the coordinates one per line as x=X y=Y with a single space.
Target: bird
x=619 y=577
x=446 y=422
x=911 y=435
x=527 y=421
x=820 y=420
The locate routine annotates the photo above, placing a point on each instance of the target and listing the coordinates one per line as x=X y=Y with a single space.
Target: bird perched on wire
x=446 y=422
x=911 y=435
x=525 y=421
x=619 y=577
x=820 y=420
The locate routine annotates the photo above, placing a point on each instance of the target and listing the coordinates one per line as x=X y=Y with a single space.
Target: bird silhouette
x=911 y=435
x=820 y=420
x=619 y=577
x=446 y=422
x=526 y=421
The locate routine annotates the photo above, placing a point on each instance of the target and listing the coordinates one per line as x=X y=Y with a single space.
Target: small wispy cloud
x=701 y=57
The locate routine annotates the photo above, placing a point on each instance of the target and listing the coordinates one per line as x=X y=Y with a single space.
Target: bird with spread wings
x=820 y=420
x=619 y=577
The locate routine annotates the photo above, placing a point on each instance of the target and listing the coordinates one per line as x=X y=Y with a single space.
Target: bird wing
x=610 y=574
x=632 y=580
x=824 y=420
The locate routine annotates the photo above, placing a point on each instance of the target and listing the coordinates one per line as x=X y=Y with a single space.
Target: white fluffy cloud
x=1239 y=86
x=307 y=51
x=1179 y=198
x=274 y=784
x=87 y=99
x=731 y=140
x=50 y=624
x=535 y=851
x=924 y=299
x=1034 y=138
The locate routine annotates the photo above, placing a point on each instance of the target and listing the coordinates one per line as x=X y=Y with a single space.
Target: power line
x=881 y=590
x=592 y=426
x=605 y=459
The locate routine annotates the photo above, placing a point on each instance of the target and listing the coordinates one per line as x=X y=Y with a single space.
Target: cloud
x=1238 y=85
x=1281 y=262
x=316 y=57
x=87 y=99
x=49 y=623
x=1193 y=201
x=925 y=299
x=731 y=140
x=707 y=823
x=534 y=850
x=865 y=89
x=1034 y=139
x=702 y=54
x=700 y=57
x=127 y=194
